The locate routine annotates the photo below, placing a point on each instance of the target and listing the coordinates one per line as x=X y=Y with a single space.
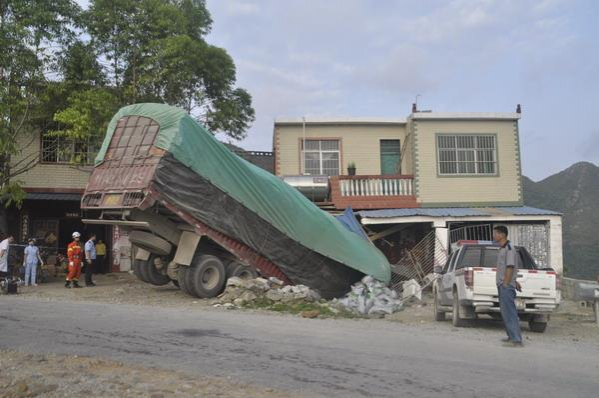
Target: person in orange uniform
x=75 y=255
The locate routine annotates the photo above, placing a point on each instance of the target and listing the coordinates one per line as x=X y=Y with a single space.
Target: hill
x=575 y=193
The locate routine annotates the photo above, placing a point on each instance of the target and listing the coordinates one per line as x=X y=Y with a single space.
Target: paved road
x=333 y=358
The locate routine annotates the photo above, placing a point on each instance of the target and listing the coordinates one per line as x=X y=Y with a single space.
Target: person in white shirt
x=30 y=261
x=4 y=248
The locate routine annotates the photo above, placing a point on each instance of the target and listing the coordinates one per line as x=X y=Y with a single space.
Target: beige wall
x=434 y=190
x=48 y=176
x=359 y=144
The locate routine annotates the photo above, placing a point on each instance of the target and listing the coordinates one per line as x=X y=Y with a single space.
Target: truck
x=466 y=286
x=196 y=213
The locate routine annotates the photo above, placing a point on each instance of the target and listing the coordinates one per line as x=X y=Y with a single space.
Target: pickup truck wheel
x=151 y=243
x=182 y=280
x=206 y=277
x=235 y=268
x=154 y=276
x=439 y=315
x=537 y=327
x=456 y=319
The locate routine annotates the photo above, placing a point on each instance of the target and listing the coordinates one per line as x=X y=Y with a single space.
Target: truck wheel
x=537 y=327
x=235 y=268
x=154 y=276
x=206 y=277
x=135 y=268
x=439 y=315
x=175 y=282
x=151 y=243
x=181 y=279
x=456 y=319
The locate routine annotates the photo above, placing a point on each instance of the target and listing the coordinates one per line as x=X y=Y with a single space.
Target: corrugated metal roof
x=457 y=212
x=53 y=196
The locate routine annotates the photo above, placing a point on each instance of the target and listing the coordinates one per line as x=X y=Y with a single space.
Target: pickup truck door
x=446 y=280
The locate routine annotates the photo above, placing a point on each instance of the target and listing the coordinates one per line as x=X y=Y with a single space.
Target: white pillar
x=442 y=234
x=556 y=257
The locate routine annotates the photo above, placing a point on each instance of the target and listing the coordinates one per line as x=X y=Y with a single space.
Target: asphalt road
x=333 y=358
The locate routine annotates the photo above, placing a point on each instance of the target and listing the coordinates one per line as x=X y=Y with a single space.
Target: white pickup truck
x=466 y=286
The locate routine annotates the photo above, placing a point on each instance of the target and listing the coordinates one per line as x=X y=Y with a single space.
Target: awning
x=53 y=196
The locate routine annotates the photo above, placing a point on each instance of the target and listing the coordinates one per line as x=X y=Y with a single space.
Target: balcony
x=373 y=192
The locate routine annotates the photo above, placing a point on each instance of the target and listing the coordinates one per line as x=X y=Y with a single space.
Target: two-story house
x=457 y=174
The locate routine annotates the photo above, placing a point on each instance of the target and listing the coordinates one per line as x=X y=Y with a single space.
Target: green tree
x=30 y=31
x=156 y=51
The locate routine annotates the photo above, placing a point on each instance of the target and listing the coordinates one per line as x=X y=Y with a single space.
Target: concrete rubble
x=370 y=297
x=240 y=292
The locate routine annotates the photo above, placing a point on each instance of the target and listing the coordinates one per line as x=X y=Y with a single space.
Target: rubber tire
x=154 y=276
x=152 y=243
x=175 y=282
x=455 y=315
x=182 y=279
x=143 y=272
x=537 y=327
x=239 y=270
x=136 y=270
x=197 y=272
x=439 y=315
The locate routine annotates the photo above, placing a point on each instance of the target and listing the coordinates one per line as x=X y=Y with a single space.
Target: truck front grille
x=133 y=199
x=92 y=200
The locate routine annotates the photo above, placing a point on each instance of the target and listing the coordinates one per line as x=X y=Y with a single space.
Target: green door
x=390 y=157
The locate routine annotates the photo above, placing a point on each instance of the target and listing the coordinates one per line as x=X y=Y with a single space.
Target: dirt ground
x=27 y=375
x=34 y=375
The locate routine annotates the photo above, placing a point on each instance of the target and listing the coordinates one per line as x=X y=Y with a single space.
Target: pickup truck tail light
x=469 y=278
x=557 y=286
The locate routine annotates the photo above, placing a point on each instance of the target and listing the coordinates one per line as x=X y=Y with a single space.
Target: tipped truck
x=192 y=208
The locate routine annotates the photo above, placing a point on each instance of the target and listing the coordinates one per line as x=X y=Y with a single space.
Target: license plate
x=112 y=199
x=520 y=304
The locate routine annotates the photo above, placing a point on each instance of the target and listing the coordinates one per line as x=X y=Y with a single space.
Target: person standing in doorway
x=507 y=272
x=30 y=261
x=4 y=249
x=75 y=255
x=90 y=259
x=101 y=256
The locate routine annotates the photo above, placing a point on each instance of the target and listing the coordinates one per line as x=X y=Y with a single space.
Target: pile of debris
x=370 y=297
x=242 y=292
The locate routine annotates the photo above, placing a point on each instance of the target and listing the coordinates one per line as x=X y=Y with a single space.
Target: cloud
x=234 y=7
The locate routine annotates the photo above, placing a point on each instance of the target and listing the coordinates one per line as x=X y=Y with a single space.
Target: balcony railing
x=373 y=192
x=375 y=186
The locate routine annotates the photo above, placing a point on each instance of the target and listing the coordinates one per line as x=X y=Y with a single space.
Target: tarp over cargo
x=266 y=196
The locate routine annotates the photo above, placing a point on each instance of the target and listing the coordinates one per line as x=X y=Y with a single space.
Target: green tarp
x=281 y=205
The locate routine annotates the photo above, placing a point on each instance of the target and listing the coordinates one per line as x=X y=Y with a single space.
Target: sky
x=373 y=57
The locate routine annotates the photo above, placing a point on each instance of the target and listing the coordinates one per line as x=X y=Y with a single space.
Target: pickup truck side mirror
x=437 y=269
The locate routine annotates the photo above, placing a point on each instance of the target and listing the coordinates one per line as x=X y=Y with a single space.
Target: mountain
x=575 y=193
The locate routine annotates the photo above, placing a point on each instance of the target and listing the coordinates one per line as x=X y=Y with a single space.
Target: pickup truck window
x=490 y=257
x=471 y=257
x=450 y=262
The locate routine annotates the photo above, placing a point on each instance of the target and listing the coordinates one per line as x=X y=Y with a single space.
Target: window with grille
x=322 y=157
x=467 y=154
x=68 y=150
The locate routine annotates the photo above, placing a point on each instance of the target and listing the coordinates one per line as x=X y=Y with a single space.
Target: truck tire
x=151 y=243
x=136 y=270
x=206 y=276
x=240 y=270
x=181 y=279
x=456 y=319
x=154 y=276
x=537 y=327
x=439 y=315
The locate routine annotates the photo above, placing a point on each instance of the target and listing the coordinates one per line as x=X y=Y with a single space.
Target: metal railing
x=419 y=262
x=471 y=232
x=375 y=186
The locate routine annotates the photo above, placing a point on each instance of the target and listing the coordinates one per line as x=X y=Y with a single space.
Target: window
x=390 y=150
x=67 y=150
x=466 y=154
x=471 y=257
x=322 y=157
